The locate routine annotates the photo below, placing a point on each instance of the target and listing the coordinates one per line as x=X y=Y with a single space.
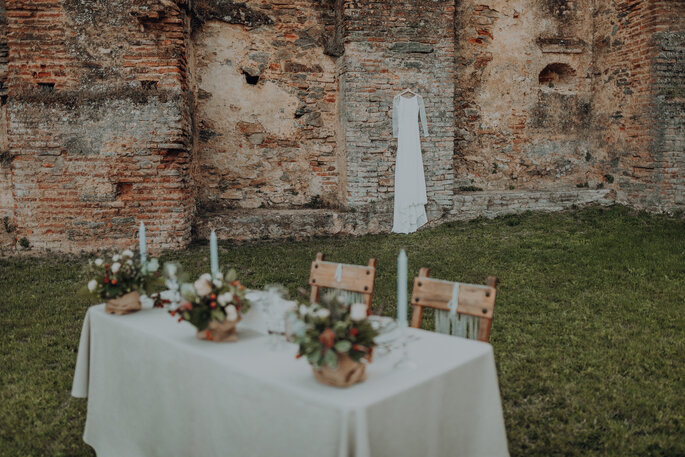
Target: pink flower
x=203 y=287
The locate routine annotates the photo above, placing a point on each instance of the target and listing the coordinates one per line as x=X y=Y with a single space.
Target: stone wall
x=267 y=99
x=390 y=46
x=272 y=118
x=640 y=75
x=523 y=96
x=98 y=125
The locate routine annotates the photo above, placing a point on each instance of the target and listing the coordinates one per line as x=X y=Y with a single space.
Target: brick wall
x=98 y=125
x=245 y=115
x=390 y=46
x=639 y=78
x=267 y=108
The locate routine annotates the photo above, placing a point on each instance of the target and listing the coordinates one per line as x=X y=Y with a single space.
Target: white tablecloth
x=155 y=390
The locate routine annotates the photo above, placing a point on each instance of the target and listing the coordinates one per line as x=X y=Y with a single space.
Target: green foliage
x=609 y=178
x=331 y=329
x=24 y=243
x=212 y=298
x=589 y=329
x=115 y=275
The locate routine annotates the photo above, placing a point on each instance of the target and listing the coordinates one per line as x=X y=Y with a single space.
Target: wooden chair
x=474 y=300
x=357 y=280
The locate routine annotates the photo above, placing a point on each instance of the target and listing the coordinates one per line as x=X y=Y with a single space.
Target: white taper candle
x=143 y=244
x=213 y=254
x=402 y=288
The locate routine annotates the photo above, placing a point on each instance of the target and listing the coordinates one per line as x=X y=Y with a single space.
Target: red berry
x=212 y=305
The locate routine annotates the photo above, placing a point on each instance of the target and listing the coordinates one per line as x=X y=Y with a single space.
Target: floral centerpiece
x=121 y=278
x=213 y=304
x=335 y=339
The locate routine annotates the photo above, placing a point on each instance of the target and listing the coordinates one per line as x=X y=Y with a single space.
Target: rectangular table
x=155 y=390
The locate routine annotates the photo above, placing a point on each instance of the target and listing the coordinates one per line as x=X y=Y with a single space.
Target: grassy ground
x=589 y=329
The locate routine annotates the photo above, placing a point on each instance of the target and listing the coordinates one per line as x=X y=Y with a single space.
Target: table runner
x=155 y=390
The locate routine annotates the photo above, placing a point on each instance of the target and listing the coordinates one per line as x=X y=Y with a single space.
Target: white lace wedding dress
x=410 y=183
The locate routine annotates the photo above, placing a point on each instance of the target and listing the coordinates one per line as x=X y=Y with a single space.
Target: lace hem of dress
x=409 y=218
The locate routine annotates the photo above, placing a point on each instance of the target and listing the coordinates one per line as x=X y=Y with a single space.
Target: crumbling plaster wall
x=517 y=128
x=266 y=109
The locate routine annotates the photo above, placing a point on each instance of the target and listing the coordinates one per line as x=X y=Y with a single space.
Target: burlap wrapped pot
x=220 y=332
x=126 y=304
x=346 y=374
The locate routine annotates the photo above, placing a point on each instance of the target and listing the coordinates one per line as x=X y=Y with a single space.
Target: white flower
x=231 y=313
x=217 y=283
x=129 y=262
x=127 y=253
x=219 y=275
x=92 y=285
x=115 y=267
x=171 y=284
x=188 y=292
x=171 y=270
x=116 y=257
x=323 y=313
x=207 y=277
x=358 y=312
x=202 y=286
x=225 y=298
x=152 y=265
x=98 y=262
x=303 y=310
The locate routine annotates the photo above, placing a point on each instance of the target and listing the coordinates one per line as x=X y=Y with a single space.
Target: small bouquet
x=121 y=278
x=213 y=305
x=335 y=339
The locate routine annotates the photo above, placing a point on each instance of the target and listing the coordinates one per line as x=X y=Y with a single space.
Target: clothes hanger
x=407 y=90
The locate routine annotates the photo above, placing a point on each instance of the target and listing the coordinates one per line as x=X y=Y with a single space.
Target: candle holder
x=405 y=362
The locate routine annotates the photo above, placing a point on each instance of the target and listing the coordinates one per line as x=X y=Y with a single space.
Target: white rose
x=217 y=283
x=202 y=287
x=231 y=313
x=171 y=270
x=129 y=262
x=323 y=313
x=225 y=298
x=127 y=253
x=303 y=310
x=115 y=267
x=358 y=311
x=219 y=275
x=92 y=285
x=207 y=277
x=98 y=262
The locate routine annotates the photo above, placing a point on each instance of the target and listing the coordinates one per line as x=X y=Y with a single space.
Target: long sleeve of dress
x=395 y=116
x=422 y=113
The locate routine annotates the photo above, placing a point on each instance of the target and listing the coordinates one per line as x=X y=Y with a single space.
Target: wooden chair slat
x=474 y=300
x=353 y=278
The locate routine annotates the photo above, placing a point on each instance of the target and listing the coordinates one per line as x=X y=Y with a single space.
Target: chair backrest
x=356 y=280
x=474 y=300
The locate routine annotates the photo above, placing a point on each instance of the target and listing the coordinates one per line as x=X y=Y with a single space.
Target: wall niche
x=557 y=75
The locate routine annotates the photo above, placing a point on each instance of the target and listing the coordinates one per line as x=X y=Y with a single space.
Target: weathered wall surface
x=273 y=118
x=98 y=125
x=524 y=97
x=390 y=46
x=267 y=108
x=639 y=98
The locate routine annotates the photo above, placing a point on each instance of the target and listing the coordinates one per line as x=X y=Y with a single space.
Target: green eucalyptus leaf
x=331 y=360
x=343 y=346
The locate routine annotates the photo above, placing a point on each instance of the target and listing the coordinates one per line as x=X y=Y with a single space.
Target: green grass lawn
x=589 y=328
